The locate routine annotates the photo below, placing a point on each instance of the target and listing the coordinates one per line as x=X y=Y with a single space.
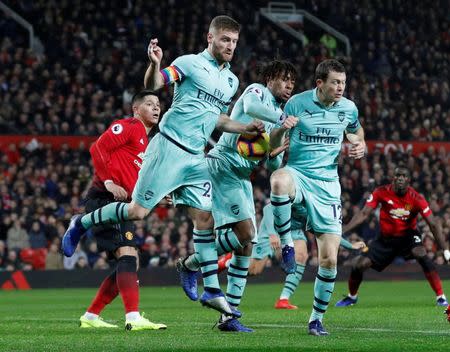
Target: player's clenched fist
x=154 y=52
x=254 y=127
x=290 y=122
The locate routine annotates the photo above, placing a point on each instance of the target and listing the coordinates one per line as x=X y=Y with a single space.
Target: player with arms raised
x=175 y=162
x=400 y=207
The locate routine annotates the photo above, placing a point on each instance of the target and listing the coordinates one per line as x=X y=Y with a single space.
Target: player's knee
x=245 y=232
x=328 y=263
x=245 y=251
x=280 y=181
x=419 y=252
x=203 y=221
x=361 y=264
x=301 y=257
x=426 y=263
x=256 y=267
x=246 y=238
x=127 y=263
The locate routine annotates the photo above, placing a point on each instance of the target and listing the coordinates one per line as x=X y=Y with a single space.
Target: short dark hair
x=325 y=67
x=275 y=69
x=224 y=23
x=139 y=96
x=403 y=167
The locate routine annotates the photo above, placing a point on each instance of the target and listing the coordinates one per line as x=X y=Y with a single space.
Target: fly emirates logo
x=139 y=162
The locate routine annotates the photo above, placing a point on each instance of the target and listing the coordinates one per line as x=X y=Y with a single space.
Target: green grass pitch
x=390 y=316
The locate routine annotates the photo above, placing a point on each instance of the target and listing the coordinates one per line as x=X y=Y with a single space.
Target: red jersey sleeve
x=423 y=206
x=114 y=137
x=374 y=199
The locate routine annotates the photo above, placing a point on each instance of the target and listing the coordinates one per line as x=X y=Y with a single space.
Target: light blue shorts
x=232 y=197
x=168 y=169
x=322 y=200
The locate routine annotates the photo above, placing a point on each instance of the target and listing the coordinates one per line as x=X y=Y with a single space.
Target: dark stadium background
x=93 y=60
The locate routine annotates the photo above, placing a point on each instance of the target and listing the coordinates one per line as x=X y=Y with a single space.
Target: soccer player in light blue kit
x=174 y=161
x=310 y=177
x=232 y=199
x=269 y=245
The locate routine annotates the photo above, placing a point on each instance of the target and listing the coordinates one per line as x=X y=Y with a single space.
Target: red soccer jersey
x=398 y=215
x=117 y=154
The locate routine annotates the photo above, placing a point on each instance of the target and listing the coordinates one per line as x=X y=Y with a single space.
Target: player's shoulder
x=126 y=123
x=256 y=88
x=384 y=189
x=348 y=103
x=303 y=96
x=184 y=63
x=414 y=194
x=188 y=58
x=233 y=76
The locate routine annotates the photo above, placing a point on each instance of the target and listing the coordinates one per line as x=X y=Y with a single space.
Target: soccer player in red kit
x=117 y=158
x=400 y=206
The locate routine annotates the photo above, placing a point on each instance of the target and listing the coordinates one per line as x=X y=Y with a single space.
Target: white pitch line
x=283 y=326
x=280 y=326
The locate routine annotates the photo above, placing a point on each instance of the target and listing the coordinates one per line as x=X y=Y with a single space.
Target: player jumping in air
x=232 y=200
x=310 y=177
x=175 y=162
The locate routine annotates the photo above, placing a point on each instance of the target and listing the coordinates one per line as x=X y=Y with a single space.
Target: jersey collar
x=272 y=97
x=205 y=53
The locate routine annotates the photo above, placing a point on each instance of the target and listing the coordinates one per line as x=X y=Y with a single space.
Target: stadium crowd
x=94 y=61
x=39 y=195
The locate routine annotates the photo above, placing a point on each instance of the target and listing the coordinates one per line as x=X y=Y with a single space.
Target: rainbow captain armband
x=172 y=74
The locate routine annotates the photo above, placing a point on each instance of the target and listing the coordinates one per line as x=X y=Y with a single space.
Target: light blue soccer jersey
x=202 y=92
x=315 y=142
x=248 y=107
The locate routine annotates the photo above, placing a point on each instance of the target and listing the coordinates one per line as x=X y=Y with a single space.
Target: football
x=253 y=147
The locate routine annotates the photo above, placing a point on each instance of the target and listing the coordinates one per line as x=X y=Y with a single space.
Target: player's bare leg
x=359 y=265
x=429 y=269
x=293 y=280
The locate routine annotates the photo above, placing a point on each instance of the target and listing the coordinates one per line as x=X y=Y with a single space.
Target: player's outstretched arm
x=275 y=157
x=358 y=219
x=254 y=107
x=436 y=230
x=153 y=78
x=225 y=124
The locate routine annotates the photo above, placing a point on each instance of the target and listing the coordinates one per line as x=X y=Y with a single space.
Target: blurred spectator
x=78 y=260
x=3 y=254
x=17 y=237
x=54 y=259
x=91 y=68
x=37 y=236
